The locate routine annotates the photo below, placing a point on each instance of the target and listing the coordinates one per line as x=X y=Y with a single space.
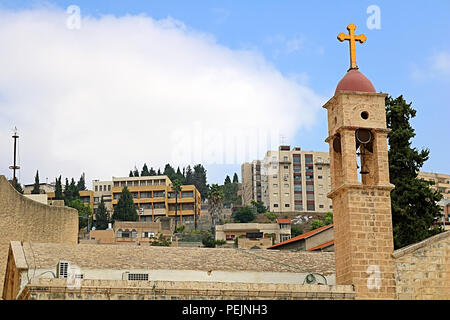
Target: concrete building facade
x=289 y=180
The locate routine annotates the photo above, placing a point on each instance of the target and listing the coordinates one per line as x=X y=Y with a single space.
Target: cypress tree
x=58 y=189
x=235 y=178
x=145 y=172
x=81 y=185
x=414 y=204
x=37 y=187
x=227 y=180
x=125 y=210
x=101 y=216
x=152 y=172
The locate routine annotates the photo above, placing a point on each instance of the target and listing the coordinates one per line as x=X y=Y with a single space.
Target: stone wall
x=57 y=289
x=423 y=269
x=22 y=219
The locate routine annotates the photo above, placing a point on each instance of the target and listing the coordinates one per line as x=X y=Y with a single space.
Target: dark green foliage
x=152 y=172
x=244 y=215
x=189 y=175
x=296 y=230
x=414 y=204
x=209 y=242
x=271 y=216
x=200 y=181
x=125 y=210
x=131 y=173
x=81 y=185
x=159 y=172
x=84 y=213
x=235 y=178
x=36 y=187
x=58 y=189
x=71 y=192
x=328 y=218
x=176 y=187
x=316 y=224
x=259 y=206
x=161 y=242
x=135 y=172
x=230 y=191
x=16 y=185
x=101 y=216
x=145 y=172
x=227 y=180
x=169 y=171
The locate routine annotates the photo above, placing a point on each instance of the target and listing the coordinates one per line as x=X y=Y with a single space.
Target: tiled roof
x=302 y=236
x=284 y=220
x=122 y=257
x=321 y=246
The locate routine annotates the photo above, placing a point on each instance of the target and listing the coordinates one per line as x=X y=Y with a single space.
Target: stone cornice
x=359 y=186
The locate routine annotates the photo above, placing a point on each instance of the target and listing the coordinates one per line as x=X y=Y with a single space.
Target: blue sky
x=409 y=55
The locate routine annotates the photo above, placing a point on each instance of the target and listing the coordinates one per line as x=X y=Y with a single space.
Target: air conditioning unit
x=62 y=270
x=135 y=276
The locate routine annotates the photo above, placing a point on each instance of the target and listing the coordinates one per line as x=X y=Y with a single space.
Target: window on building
x=308 y=158
x=297 y=196
x=275 y=185
x=287 y=205
x=321 y=206
x=101 y=189
x=296 y=158
x=187 y=206
x=298 y=207
x=297 y=187
x=286 y=185
x=96 y=188
x=286 y=194
x=286 y=167
x=297 y=178
x=159 y=205
x=286 y=158
x=311 y=207
x=275 y=194
x=187 y=194
x=109 y=187
x=275 y=176
x=275 y=205
x=319 y=177
x=284 y=237
x=319 y=168
x=309 y=196
x=133 y=234
x=309 y=177
x=309 y=187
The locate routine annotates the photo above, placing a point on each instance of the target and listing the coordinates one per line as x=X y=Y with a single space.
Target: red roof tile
x=284 y=220
x=302 y=236
x=323 y=245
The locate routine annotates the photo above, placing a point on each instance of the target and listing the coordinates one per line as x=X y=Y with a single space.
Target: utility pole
x=15 y=167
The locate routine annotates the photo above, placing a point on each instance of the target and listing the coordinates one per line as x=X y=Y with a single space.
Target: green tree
x=135 y=172
x=414 y=204
x=125 y=210
x=81 y=185
x=131 y=173
x=169 y=171
x=84 y=213
x=296 y=230
x=145 y=172
x=36 y=187
x=159 y=172
x=259 y=206
x=17 y=185
x=71 y=192
x=244 y=215
x=316 y=224
x=58 y=189
x=176 y=188
x=227 y=180
x=101 y=216
x=152 y=172
x=180 y=176
x=189 y=175
x=215 y=201
x=328 y=218
x=200 y=181
x=235 y=178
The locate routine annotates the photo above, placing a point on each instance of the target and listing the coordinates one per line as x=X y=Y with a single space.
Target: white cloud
x=436 y=66
x=128 y=90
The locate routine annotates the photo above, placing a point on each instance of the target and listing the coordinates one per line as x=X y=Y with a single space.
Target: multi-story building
x=103 y=190
x=154 y=197
x=442 y=184
x=289 y=180
x=43 y=188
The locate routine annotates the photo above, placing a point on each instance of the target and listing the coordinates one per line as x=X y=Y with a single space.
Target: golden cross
x=352 y=38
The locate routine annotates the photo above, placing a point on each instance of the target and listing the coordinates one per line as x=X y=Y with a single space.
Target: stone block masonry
x=22 y=219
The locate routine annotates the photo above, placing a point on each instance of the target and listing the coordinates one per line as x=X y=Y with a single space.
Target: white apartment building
x=289 y=180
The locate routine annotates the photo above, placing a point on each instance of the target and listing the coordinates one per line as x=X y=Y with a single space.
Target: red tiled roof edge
x=323 y=245
x=302 y=236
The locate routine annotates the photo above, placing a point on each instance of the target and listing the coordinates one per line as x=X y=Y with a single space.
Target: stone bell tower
x=357 y=135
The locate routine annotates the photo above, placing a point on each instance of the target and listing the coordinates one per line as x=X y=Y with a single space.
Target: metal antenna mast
x=15 y=166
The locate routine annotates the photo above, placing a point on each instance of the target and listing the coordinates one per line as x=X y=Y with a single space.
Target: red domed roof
x=355 y=81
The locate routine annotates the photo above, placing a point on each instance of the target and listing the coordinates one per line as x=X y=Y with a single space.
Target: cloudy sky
x=101 y=86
